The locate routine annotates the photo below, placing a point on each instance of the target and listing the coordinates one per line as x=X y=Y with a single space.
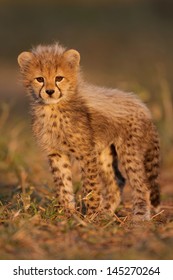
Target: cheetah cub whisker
x=97 y=126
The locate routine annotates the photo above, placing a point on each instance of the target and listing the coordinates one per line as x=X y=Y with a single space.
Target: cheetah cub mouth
x=54 y=99
x=50 y=101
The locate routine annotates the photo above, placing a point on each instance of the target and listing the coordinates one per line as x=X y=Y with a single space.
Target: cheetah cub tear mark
x=99 y=127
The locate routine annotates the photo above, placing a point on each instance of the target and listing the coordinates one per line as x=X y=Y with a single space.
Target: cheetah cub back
x=97 y=126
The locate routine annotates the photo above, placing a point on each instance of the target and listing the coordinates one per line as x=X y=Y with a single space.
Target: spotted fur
x=98 y=126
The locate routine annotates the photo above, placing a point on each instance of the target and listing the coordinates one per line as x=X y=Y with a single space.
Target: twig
x=79 y=220
x=119 y=220
x=157 y=214
x=109 y=223
x=124 y=219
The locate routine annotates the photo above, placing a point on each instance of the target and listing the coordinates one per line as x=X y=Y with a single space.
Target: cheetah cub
x=73 y=119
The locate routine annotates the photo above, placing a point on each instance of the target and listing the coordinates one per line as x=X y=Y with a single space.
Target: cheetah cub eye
x=40 y=79
x=59 y=79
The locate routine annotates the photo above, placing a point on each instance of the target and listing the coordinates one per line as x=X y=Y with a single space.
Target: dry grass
x=32 y=227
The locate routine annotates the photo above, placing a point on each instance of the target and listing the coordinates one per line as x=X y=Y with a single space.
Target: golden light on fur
x=24 y=58
x=99 y=127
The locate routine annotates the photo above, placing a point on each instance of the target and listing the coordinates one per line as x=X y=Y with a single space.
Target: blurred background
x=127 y=44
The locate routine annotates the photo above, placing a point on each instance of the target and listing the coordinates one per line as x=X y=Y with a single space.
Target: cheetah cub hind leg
x=111 y=190
x=152 y=167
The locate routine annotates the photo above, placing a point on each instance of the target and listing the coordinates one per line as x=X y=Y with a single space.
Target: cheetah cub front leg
x=61 y=168
x=92 y=185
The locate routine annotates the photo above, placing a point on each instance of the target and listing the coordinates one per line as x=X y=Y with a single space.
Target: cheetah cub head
x=50 y=72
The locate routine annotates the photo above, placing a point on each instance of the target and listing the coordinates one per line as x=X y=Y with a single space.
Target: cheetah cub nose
x=50 y=91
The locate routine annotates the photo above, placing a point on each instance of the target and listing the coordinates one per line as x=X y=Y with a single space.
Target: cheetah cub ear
x=72 y=58
x=24 y=58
